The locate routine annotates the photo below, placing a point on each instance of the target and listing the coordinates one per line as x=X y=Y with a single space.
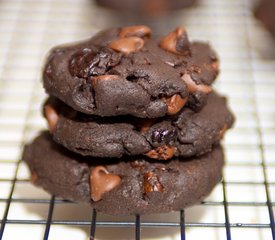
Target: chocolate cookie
x=186 y=134
x=146 y=7
x=123 y=71
x=265 y=13
x=125 y=186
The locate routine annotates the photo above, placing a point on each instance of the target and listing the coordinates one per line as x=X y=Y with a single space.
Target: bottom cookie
x=122 y=186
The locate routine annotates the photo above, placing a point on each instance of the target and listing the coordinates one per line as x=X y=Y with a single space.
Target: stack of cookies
x=134 y=125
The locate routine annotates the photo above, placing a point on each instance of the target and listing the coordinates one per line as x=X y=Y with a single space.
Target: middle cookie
x=189 y=133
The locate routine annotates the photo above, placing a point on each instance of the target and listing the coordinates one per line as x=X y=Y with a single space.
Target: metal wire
x=182 y=225
x=93 y=225
x=226 y=216
x=28 y=29
x=137 y=227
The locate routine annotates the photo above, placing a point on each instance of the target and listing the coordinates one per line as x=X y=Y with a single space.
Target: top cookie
x=124 y=71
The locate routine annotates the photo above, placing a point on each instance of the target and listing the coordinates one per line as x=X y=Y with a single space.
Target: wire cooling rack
x=240 y=207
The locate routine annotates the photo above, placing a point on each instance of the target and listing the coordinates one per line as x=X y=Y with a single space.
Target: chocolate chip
x=105 y=77
x=222 y=131
x=34 y=177
x=176 y=42
x=86 y=62
x=174 y=103
x=215 y=62
x=213 y=67
x=81 y=62
x=135 y=31
x=193 y=87
x=97 y=79
x=216 y=66
x=152 y=183
x=162 y=153
x=51 y=116
x=195 y=69
x=163 y=135
x=127 y=45
x=102 y=181
x=182 y=44
x=146 y=124
x=139 y=165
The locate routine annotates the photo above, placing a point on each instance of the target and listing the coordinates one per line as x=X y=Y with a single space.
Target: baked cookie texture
x=125 y=71
x=123 y=186
x=188 y=133
x=264 y=11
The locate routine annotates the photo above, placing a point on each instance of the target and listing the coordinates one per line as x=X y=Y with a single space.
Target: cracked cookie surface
x=186 y=134
x=124 y=71
x=122 y=186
